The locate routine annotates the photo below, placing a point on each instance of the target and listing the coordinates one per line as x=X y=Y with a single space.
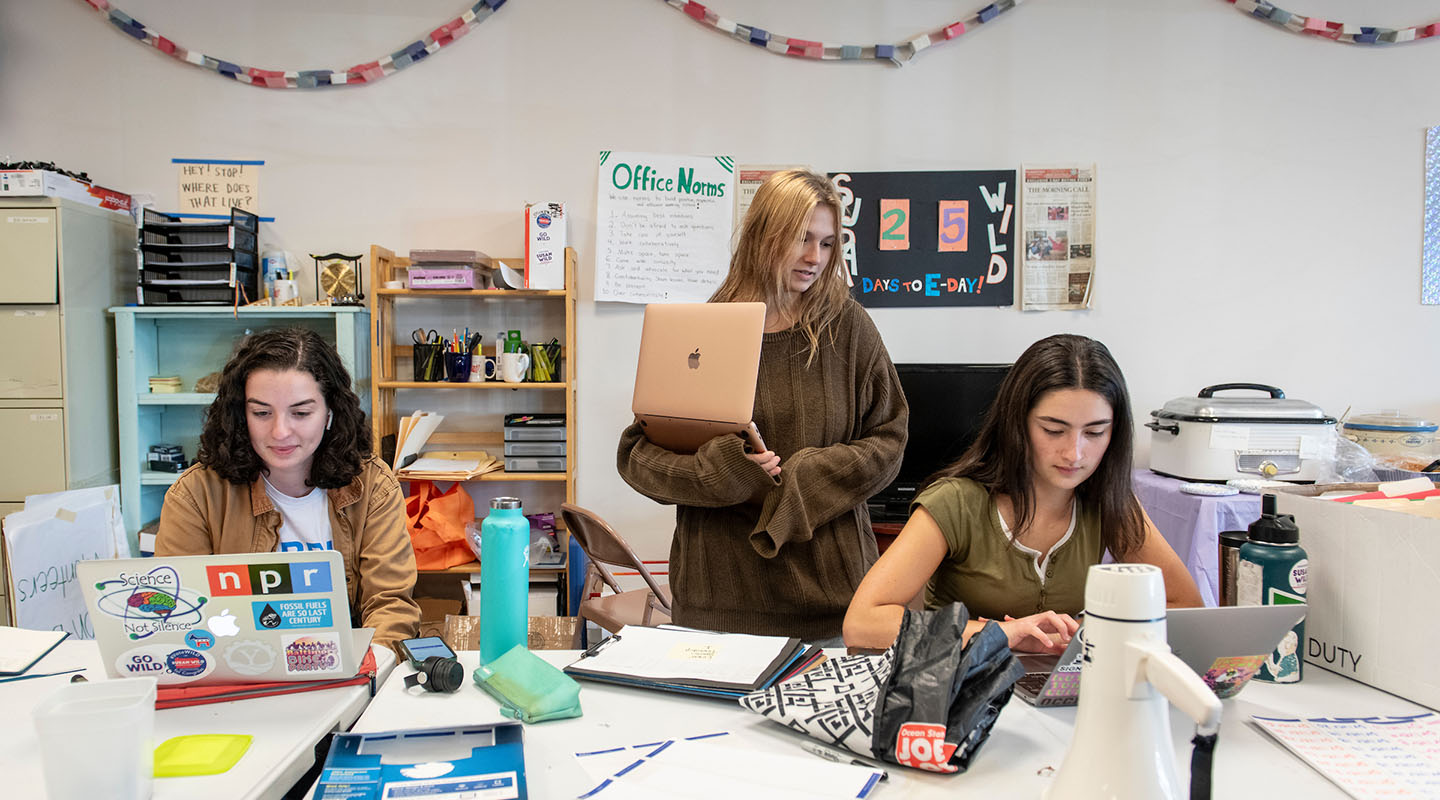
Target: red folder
x=177 y=696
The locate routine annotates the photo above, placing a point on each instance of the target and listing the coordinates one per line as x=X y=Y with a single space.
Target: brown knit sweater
x=783 y=556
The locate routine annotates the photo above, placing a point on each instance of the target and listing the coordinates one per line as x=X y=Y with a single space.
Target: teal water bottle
x=1272 y=571
x=504 y=578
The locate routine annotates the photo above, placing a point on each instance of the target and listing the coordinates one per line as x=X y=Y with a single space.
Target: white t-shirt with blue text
x=304 y=521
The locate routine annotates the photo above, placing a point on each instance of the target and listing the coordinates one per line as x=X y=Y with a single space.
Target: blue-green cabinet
x=192 y=342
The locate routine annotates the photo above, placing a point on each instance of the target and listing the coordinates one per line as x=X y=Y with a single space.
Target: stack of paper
x=20 y=648
x=719 y=767
x=165 y=384
x=690 y=661
x=1366 y=756
x=412 y=462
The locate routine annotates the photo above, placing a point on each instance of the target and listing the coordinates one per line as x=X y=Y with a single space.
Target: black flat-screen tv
x=948 y=403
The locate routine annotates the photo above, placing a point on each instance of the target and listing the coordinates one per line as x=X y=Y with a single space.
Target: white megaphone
x=1121 y=747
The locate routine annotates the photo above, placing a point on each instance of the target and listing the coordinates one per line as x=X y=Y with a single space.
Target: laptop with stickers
x=234 y=618
x=1051 y=680
x=1225 y=646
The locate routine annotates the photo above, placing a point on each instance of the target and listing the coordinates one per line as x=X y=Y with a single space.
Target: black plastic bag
x=942 y=698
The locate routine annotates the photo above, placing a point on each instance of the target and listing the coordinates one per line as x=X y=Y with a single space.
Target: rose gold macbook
x=695 y=379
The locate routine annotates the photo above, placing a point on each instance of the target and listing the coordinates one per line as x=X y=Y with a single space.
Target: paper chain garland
x=1339 y=31
x=898 y=54
x=369 y=72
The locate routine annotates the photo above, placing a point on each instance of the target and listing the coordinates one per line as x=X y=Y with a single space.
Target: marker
x=830 y=754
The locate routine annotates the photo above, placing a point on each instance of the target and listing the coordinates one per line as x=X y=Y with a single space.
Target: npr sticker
x=312 y=654
x=286 y=615
x=922 y=745
x=310 y=577
x=166 y=663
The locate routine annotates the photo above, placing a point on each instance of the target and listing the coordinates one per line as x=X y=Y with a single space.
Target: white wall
x=1260 y=202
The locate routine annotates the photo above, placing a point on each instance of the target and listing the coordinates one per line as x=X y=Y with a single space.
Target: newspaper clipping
x=749 y=178
x=1058 y=264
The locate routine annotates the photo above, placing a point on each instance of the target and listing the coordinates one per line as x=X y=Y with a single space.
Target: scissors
x=419 y=337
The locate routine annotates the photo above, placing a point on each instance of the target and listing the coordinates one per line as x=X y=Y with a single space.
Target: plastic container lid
x=1234 y=538
x=1392 y=421
x=1274 y=528
x=199 y=754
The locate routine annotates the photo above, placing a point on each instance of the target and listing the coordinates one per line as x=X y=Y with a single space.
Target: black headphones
x=437 y=674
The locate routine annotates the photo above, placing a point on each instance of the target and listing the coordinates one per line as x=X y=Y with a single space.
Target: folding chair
x=605 y=548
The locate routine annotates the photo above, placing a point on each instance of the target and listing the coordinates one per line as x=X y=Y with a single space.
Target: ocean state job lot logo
x=150 y=602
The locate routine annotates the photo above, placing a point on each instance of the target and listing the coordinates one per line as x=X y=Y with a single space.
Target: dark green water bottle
x=1272 y=571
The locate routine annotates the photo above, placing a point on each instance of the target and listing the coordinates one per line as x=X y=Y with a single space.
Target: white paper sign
x=44 y=545
x=662 y=228
x=213 y=187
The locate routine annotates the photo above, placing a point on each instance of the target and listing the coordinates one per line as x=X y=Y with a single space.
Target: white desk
x=285 y=730
x=1024 y=742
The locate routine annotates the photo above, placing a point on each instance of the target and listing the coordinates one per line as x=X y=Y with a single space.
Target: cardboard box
x=44 y=183
x=545 y=246
x=1374 y=575
x=545 y=633
x=371 y=766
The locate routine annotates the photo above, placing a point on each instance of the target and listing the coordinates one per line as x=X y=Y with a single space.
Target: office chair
x=605 y=548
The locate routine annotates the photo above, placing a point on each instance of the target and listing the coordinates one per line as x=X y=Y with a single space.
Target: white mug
x=286 y=291
x=482 y=368
x=511 y=366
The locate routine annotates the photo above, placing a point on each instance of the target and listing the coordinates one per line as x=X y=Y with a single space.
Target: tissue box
x=1371 y=571
x=495 y=766
x=545 y=246
x=441 y=277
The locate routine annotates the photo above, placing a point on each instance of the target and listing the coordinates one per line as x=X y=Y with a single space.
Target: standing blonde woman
x=776 y=542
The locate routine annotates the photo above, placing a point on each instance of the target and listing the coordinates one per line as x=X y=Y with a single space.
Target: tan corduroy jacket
x=204 y=513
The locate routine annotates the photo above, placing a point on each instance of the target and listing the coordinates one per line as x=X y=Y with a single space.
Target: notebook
x=695 y=379
x=1225 y=646
x=674 y=659
x=244 y=617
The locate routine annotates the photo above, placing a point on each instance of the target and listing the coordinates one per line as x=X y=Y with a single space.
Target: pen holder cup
x=457 y=367
x=545 y=362
x=428 y=363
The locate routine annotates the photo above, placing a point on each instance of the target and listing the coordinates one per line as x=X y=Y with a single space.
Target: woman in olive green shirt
x=1013 y=527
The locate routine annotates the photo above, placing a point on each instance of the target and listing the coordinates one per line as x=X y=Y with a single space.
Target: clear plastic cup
x=97 y=739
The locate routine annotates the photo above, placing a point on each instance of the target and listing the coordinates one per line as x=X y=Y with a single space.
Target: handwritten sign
x=663 y=226
x=929 y=238
x=44 y=545
x=213 y=187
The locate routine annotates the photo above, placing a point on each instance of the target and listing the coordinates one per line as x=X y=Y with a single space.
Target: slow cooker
x=1389 y=432
x=1209 y=438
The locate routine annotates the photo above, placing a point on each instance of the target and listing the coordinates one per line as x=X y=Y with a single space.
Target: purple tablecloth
x=1192 y=523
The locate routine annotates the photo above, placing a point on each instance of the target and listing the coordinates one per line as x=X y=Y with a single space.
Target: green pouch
x=528 y=687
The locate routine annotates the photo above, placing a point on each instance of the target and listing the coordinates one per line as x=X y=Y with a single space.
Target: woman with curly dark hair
x=285 y=463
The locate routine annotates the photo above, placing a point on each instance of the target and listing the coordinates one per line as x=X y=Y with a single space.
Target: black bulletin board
x=980 y=224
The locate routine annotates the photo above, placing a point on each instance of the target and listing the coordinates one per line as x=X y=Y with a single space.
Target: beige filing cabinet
x=61 y=265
